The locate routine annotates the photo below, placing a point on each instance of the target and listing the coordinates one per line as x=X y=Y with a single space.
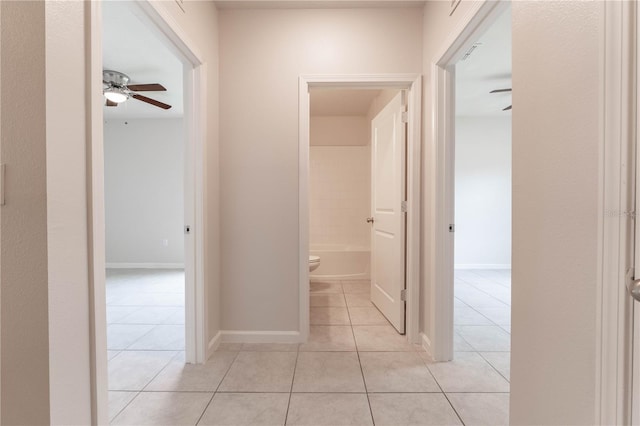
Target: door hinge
x=452 y=227
x=403 y=206
x=403 y=295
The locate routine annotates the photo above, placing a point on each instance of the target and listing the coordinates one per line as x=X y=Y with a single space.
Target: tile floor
x=354 y=370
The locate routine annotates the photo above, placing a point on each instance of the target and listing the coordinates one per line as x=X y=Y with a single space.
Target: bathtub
x=341 y=262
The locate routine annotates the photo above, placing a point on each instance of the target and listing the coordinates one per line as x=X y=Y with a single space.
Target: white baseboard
x=231 y=336
x=426 y=344
x=116 y=265
x=482 y=266
x=213 y=344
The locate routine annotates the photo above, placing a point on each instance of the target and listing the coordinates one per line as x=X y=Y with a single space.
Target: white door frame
x=160 y=21
x=413 y=84
x=617 y=145
x=480 y=17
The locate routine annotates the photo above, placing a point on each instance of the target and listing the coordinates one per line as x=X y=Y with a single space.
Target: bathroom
x=340 y=204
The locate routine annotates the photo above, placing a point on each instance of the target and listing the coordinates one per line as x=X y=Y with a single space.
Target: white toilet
x=314 y=262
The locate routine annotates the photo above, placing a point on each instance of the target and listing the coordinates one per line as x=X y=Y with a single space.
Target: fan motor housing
x=115 y=78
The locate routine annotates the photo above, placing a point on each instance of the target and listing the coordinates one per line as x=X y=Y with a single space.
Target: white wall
x=23 y=226
x=144 y=191
x=338 y=130
x=483 y=192
x=556 y=182
x=263 y=53
x=339 y=195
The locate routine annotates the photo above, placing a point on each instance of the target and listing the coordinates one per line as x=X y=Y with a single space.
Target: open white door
x=388 y=153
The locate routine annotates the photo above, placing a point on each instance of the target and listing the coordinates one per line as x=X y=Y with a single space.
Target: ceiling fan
x=502 y=91
x=117 y=90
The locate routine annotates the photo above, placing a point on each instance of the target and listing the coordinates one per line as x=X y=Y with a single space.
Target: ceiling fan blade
x=155 y=87
x=500 y=90
x=508 y=108
x=150 y=101
x=110 y=103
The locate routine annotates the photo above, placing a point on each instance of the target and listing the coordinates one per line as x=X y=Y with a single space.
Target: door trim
x=413 y=84
x=481 y=16
x=619 y=124
x=195 y=130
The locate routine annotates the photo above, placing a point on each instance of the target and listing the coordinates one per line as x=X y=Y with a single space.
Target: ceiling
x=341 y=101
x=129 y=46
x=486 y=69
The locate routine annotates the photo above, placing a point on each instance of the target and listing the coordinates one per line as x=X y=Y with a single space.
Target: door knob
x=370 y=220
x=634 y=289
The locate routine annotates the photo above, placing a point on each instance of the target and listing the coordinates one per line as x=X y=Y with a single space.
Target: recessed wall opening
x=482 y=247
x=355 y=213
x=146 y=181
x=341 y=222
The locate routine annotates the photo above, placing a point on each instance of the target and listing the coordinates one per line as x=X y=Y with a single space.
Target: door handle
x=370 y=220
x=634 y=289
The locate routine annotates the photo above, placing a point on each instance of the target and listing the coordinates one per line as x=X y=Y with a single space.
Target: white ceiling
x=486 y=69
x=341 y=101
x=129 y=46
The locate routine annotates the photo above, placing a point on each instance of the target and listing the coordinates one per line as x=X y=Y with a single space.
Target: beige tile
x=488 y=338
x=227 y=346
x=331 y=409
x=367 y=316
x=255 y=409
x=464 y=315
x=380 y=338
x=112 y=354
x=461 y=345
x=260 y=372
x=178 y=376
x=328 y=372
x=133 y=370
x=468 y=372
x=475 y=409
x=328 y=316
x=270 y=347
x=116 y=313
x=501 y=361
x=329 y=338
x=327 y=299
x=401 y=409
x=118 y=400
x=150 y=315
x=164 y=408
x=396 y=372
x=121 y=336
x=325 y=287
x=161 y=338
x=358 y=300
x=357 y=286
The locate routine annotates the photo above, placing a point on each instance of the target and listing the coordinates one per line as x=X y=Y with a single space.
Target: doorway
x=407 y=88
x=176 y=283
x=482 y=249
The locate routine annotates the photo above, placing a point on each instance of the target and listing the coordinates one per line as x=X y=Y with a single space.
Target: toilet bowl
x=314 y=262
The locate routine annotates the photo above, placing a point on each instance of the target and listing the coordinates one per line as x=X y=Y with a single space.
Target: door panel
x=388 y=152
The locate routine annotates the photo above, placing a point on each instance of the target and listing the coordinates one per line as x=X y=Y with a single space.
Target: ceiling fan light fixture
x=115 y=95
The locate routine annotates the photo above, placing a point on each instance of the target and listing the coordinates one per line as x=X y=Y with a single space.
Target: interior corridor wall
x=556 y=169
x=263 y=53
x=69 y=354
x=483 y=192
x=144 y=192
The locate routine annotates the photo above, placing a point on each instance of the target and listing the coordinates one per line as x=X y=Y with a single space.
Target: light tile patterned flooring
x=354 y=370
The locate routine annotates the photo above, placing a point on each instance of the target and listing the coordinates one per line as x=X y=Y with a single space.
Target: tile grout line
x=217 y=387
x=364 y=381
x=125 y=406
x=293 y=378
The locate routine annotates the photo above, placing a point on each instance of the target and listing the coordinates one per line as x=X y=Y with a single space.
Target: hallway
x=355 y=370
